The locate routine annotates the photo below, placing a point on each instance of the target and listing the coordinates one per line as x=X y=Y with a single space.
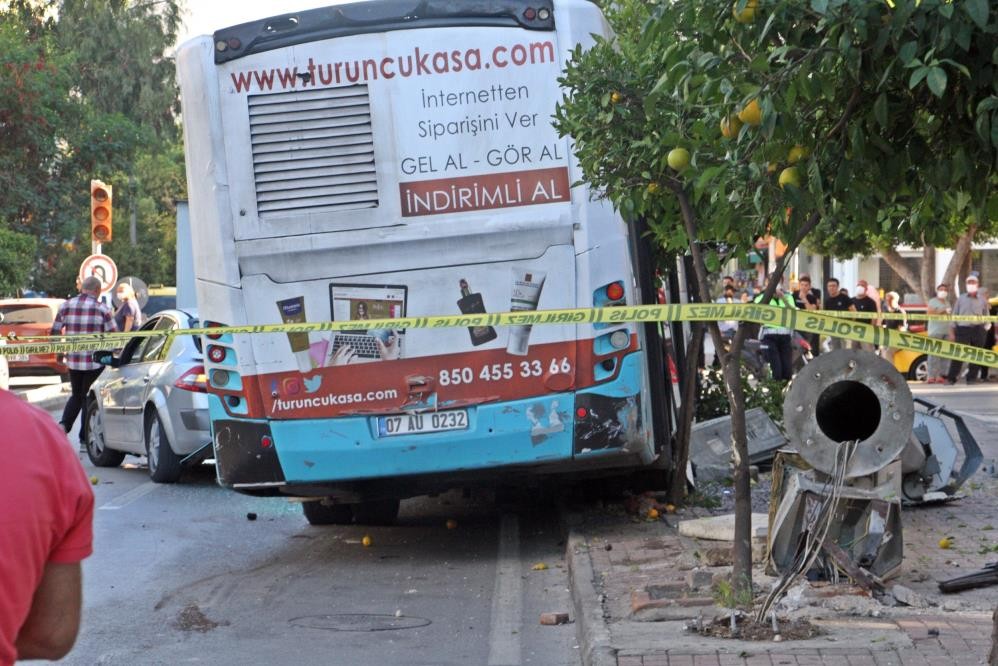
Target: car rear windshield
x=158 y=304
x=26 y=314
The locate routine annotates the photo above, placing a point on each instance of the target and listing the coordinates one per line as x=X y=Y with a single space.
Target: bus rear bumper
x=543 y=432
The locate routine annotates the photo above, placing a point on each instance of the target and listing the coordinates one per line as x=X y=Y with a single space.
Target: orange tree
x=788 y=117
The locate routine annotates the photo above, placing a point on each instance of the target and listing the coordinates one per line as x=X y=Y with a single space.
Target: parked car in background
x=913 y=365
x=151 y=400
x=25 y=317
x=160 y=298
x=4 y=371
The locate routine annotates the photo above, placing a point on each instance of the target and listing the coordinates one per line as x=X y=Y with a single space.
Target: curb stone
x=592 y=629
x=594 y=634
x=49 y=397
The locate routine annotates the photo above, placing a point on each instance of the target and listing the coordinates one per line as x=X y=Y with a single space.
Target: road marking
x=507 y=599
x=127 y=498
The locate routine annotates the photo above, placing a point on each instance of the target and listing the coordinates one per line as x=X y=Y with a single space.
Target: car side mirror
x=106 y=358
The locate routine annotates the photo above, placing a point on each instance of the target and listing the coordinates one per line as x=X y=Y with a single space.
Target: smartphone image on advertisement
x=472 y=303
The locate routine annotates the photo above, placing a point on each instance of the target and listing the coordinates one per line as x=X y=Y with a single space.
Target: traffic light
x=100 y=211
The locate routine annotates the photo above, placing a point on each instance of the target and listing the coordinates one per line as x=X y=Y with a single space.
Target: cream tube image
x=293 y=312
x=527 y=285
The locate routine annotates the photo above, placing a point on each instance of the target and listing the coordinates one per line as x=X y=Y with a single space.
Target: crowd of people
x=802 y=295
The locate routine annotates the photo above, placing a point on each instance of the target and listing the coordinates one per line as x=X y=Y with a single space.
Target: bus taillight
x=213 y=324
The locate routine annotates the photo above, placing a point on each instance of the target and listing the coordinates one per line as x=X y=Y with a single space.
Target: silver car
x=151 y=400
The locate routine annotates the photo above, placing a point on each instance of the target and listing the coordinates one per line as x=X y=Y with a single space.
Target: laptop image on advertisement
x=355 y=302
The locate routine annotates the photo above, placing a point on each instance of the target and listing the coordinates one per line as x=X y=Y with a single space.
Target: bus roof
x=376 y=16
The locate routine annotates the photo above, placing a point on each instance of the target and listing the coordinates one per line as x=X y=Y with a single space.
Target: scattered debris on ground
x=552 y=619
x=747 y=629
x=191 y=618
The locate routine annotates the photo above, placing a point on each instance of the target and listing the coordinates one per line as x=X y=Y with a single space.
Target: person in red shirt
x=46 y=530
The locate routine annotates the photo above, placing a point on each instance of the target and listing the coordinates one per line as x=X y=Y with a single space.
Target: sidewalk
x=637 y=582
x=49 y=397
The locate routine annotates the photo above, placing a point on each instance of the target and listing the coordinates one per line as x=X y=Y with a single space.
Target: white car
x=151 y=400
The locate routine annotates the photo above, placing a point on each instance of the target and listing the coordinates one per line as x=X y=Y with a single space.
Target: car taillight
x=615 y=291
x=193 y=380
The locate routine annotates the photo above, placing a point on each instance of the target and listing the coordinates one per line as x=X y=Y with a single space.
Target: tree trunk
x=929 y=281
x=899 y=266
x=960 y=254
x=688 y=385
x=741 y=552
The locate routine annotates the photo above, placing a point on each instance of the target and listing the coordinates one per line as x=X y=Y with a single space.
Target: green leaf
x=963 y=36
x=987 y=104
x=946 y=9
x=880 y=110
x=820 y=6
x=937 y=80
x=766 y=28
x=907 y=52
x=917 y=76
x=960 y=67
x=977 y=10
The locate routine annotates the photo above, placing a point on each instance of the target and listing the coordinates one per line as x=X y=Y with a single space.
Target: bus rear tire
x=376 y=512
x=317 y=513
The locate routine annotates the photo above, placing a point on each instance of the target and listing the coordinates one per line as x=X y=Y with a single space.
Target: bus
x=390 y=159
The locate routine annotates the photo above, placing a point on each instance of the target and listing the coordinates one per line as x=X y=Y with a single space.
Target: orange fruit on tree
x=678 y=159
x=751 y=115
x=730 y=126
x=790 y=176
x=747 y=14
x=796 y=154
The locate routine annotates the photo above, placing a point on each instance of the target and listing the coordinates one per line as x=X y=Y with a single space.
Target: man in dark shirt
x=862 y=302
x=808 y=298
x=836 y=301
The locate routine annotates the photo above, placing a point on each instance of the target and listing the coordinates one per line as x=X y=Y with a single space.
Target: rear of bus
x=390 y=159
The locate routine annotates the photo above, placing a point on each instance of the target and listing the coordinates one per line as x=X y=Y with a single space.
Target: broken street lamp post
x=848 y=416
x=859 y=449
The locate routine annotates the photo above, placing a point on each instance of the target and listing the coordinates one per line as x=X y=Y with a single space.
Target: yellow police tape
x=824 y=323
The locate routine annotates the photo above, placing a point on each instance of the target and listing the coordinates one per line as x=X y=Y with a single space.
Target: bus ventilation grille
x=313 y=151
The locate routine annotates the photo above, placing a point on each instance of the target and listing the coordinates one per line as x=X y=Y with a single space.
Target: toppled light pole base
x=836 y=502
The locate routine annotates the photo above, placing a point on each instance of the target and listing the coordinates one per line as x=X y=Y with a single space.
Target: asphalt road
x=181 y=575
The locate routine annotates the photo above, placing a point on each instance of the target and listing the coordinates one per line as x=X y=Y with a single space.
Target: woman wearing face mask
x=939 y=329
x=892 y=304
x=968 y=332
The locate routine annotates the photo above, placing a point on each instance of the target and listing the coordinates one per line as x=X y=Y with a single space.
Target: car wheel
x=164 y=464
x=919 y=370
x=97 y=450
x=376 y=512
x=318 y=513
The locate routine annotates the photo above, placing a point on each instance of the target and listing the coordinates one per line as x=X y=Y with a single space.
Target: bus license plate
x=412 y=424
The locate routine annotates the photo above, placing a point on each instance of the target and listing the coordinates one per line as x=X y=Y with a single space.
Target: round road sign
x=101 y=267
x=138 y=286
